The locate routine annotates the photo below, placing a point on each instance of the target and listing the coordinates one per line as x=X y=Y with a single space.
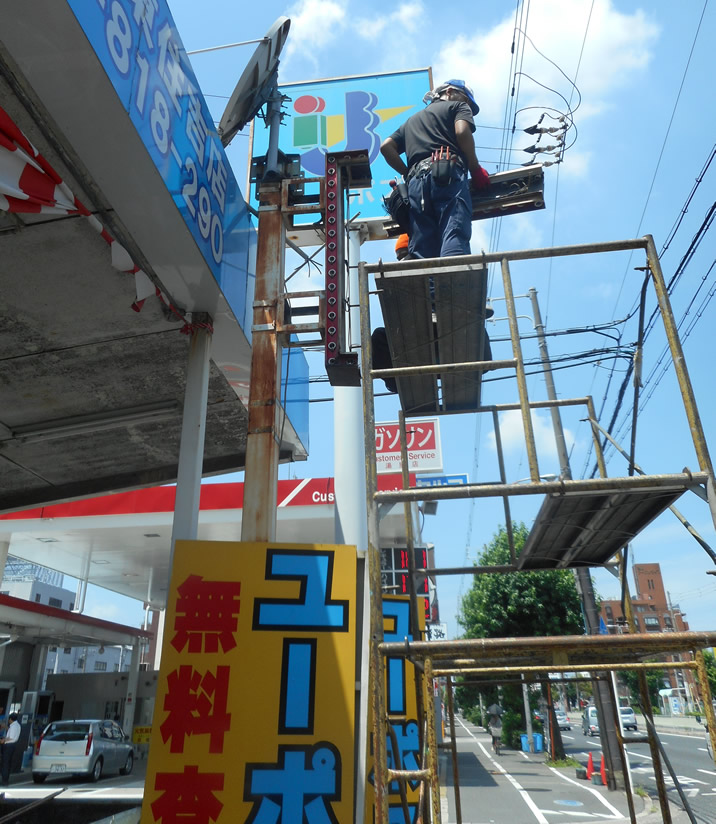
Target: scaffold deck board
x=447 y=326
x=589 y=528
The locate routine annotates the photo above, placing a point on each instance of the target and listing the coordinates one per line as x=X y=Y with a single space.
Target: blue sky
x=644 y=121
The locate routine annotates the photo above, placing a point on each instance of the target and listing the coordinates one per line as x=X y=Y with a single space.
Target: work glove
x=480 y=180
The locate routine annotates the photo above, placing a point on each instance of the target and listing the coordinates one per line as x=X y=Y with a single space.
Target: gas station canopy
x=107 y=257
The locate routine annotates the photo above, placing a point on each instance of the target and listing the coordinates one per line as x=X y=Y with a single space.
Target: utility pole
x=602 y=696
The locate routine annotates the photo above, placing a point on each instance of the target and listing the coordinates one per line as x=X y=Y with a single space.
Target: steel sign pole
x=351 y=524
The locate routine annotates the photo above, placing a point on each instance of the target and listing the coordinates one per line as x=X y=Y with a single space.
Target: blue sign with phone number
x=138 y=44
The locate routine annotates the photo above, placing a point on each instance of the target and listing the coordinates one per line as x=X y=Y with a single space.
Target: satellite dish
x=256 y=83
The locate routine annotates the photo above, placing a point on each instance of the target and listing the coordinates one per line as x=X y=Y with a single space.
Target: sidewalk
x=501 y=789
x=685 y=724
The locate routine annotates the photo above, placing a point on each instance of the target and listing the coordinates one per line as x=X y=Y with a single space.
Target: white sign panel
x=424 y=448
x=436 y=632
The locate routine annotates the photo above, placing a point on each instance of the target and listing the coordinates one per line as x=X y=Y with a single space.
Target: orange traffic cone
x=590 y=767
x=603 y=771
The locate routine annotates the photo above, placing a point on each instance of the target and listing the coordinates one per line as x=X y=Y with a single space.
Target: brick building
x=653 y=612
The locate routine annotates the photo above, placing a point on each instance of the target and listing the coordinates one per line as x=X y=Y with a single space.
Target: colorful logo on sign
x=356 y=128
x=347 y=114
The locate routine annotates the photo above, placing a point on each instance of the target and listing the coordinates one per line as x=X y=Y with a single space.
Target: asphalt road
x=518 y=788
x=110 y=787
x=695 y=771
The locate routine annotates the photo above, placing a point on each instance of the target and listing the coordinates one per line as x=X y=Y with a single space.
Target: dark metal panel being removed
x=588 y=528
x=441 y=324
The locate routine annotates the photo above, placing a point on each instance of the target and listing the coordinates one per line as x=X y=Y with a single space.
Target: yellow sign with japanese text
x=255 y=711
x=141 y=735
x=403 y=747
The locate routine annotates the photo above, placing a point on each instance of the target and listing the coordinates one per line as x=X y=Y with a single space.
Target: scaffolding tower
x=434 y=313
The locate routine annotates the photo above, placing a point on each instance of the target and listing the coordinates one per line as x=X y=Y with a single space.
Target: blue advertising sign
x=345 y=114
x=140 y=49
x=441 y=480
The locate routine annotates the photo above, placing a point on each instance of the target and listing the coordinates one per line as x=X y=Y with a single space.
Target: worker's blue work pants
x=440 y=216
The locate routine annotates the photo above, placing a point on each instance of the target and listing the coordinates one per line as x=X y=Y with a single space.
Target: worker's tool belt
x=397 y=204
x=444 y=169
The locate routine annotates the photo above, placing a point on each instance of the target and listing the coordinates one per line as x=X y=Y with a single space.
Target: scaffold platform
x=436 y=320
x=589 y=528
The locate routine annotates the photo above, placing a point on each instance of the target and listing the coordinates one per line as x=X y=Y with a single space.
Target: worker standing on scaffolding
x=440 y=149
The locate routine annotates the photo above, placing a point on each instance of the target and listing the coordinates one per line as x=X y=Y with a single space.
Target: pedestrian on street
x=441 y=166
x=7 y=748
x=495 y=725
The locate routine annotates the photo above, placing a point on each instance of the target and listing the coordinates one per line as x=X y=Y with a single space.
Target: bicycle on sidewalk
x=495 y=728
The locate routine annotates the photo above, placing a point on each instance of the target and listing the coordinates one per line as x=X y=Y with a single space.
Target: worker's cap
x=461 y=86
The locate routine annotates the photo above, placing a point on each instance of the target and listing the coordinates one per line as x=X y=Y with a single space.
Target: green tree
x=710 y=661
x=654 y=681
x=513 y=605
x=520 y=603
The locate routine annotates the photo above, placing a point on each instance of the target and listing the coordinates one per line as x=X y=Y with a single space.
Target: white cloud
x=314 y=24
x=520 y=231
x=480 y=240
x=513 y=436
x=406 y=19
x=617 y=47
x=576 y=165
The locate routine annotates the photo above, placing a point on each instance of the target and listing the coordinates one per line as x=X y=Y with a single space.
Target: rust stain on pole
x=258 y=522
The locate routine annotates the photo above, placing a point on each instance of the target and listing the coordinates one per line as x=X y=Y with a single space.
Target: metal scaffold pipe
x=410 y=266
x=559 y=487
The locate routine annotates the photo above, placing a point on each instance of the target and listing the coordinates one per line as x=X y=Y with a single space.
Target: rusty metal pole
x=432 y=743
x=677 y=355
x=595 y=435
x=706 y=697
x=377 y=673
x=560 y=440
x=645 y=701
x=258 y=521
x=453 y=751
x=503 y=479
x=626 y=769
x=520 y=370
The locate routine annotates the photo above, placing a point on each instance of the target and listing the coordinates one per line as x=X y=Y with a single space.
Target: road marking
x=695 y=734
x=640 y=755
x=444 y=809
x=613 y=810
x=524 y=755
x=525 y=797
x=708 y=772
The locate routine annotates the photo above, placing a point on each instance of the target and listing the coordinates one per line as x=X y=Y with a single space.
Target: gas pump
x=34 y=716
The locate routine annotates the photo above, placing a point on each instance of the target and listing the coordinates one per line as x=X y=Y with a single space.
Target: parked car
x=562 y=720
x=84 y=747
x=590 y=721
x=628 y=718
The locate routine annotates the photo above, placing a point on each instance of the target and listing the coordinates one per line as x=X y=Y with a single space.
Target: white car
x=84 y=747
x=628 y=718
x=562 y=720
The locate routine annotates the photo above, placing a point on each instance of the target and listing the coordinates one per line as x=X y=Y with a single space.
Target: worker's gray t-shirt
x=433 y=127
